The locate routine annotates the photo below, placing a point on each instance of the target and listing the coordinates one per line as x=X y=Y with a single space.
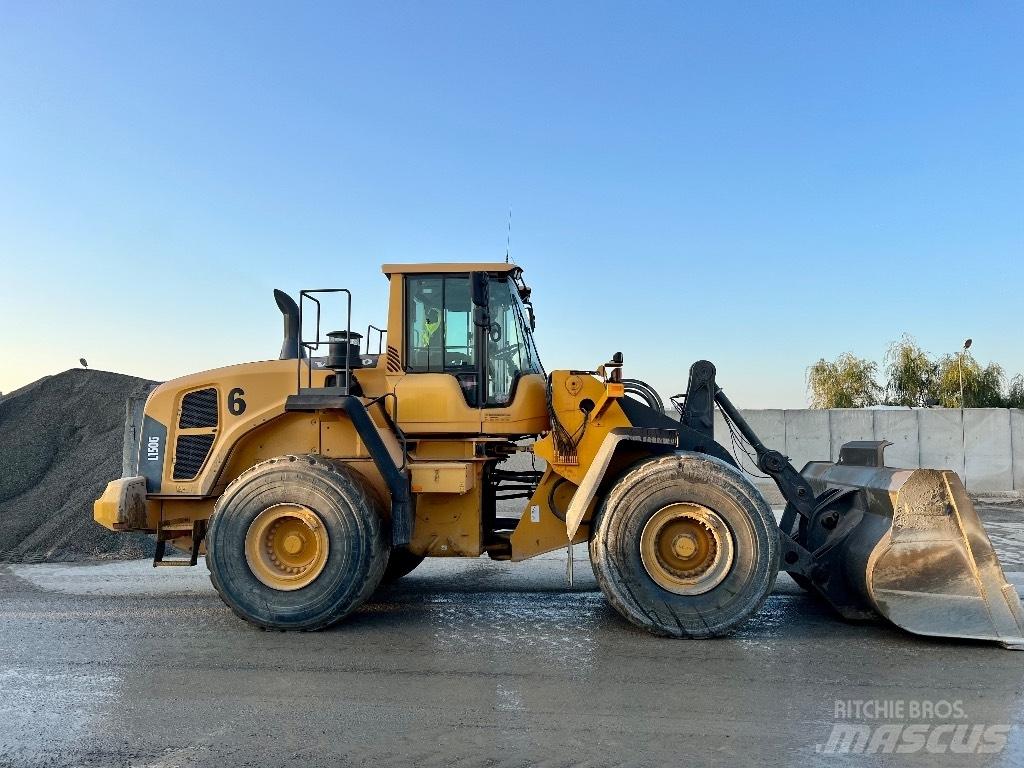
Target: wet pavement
x=479 y=663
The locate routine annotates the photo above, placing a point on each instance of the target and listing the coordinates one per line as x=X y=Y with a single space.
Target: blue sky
x=761 y=184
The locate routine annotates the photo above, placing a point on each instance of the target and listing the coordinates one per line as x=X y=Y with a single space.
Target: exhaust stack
x=290 y=348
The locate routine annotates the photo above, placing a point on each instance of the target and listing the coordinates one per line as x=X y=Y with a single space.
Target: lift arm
x=698 y=413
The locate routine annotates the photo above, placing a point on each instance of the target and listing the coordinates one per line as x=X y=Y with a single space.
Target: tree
x=983 y=387
x=913 y=379
x=846 y=382
x=1015 y=394
x=911 y=374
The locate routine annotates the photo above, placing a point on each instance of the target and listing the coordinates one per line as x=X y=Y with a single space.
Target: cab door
x=440 y=392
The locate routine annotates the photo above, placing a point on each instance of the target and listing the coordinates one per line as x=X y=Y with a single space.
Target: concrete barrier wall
x=985 y=446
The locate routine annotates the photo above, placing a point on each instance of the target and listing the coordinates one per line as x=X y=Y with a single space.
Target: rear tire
x=347 y=564
x=401 y=563
x=727 y=591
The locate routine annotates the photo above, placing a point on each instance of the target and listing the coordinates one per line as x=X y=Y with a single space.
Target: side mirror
x=533 y=319
x=481 y=289
x=481 y=299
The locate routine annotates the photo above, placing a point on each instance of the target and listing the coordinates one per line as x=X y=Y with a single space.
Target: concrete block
x=989 y=467
x=1017 y=447
x=900 y=429
x=769 y=424
x=940 y=435
x=807 y=436
x=846 y=424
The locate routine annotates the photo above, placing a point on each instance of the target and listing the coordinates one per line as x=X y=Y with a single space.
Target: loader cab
x=468 y=356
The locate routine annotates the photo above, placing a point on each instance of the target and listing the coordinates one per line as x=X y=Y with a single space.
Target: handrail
x=315 y=345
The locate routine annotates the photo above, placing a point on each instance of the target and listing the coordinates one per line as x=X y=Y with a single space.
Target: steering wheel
x=507 y=352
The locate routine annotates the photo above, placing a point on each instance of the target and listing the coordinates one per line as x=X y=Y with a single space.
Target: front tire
x=685 y=546
x=296 y=542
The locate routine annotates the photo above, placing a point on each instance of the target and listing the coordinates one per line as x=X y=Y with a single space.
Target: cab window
x=439 y=319
x=510 y=348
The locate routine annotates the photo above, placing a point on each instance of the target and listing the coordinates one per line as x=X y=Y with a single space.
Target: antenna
x=508 y=235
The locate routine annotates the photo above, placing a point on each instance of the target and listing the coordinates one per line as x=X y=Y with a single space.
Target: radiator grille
x=189 y=454
x=199 y=409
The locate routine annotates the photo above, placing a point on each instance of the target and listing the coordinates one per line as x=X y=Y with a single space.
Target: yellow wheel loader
x=311 y=479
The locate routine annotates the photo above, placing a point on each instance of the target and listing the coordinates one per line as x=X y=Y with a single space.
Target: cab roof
x=444 y=267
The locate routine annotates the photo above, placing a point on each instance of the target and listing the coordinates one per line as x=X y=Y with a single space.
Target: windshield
x=510 y=346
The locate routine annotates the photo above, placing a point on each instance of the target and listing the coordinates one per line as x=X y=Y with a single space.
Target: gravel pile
x=60 y=443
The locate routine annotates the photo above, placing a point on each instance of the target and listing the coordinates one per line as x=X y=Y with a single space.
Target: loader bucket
x=909 y=545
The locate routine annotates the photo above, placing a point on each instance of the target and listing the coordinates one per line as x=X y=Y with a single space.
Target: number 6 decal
x=236 y=405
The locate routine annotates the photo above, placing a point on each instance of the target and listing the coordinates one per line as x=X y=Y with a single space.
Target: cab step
x=168 y=531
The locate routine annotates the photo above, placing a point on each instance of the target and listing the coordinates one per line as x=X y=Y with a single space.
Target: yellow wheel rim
x=687 y=549
x=286 y=546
